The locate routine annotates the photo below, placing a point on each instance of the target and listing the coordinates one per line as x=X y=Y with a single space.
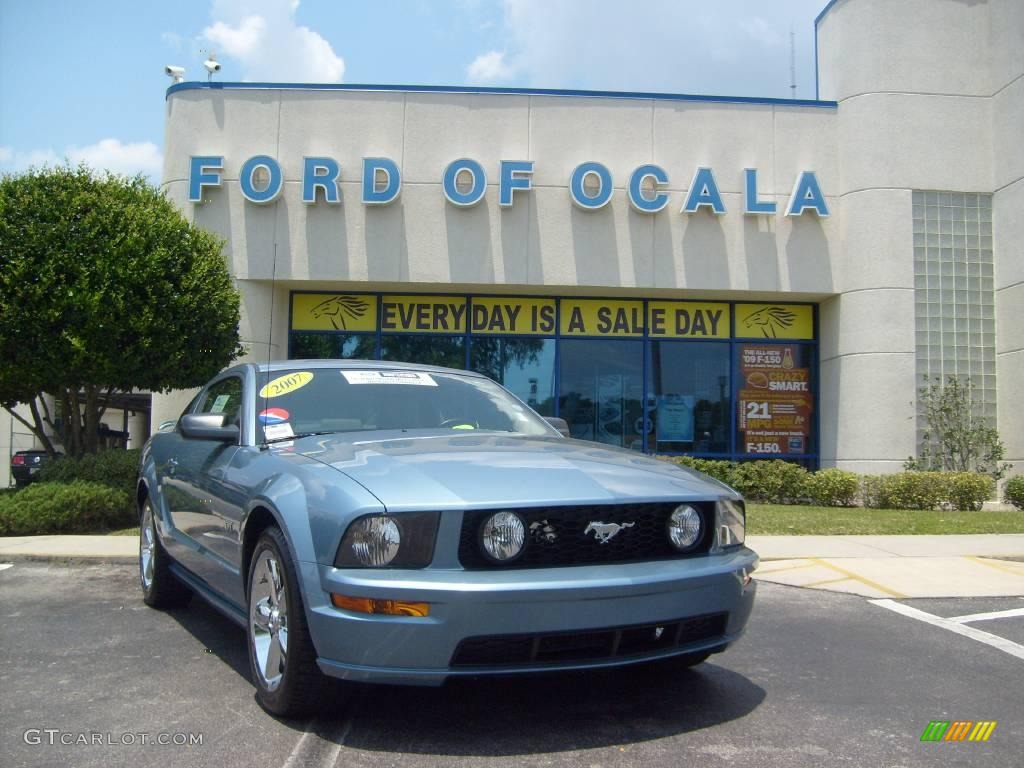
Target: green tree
x=956 y=438
x=104 y=287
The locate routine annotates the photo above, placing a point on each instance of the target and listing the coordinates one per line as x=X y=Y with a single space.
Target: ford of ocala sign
x=465 y=184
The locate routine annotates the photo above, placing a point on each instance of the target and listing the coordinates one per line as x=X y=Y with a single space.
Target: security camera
x=212 y=65
x=177 y=74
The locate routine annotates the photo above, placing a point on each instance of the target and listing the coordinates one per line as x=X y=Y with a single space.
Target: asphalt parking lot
x=820 y=679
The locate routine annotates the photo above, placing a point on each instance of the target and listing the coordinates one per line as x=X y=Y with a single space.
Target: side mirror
x=208 y=426
x=560 y=424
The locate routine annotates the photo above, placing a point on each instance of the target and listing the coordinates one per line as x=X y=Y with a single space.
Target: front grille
x=588 y=645
x=555 y=536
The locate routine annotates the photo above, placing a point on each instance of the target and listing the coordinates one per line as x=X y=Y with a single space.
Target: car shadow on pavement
x=215 y=632
x=510 y=715
x=548 y=713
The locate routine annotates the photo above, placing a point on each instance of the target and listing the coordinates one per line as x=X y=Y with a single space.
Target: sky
x=83 y=80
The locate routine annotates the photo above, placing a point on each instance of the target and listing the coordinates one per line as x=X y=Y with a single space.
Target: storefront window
x=447 y=351
x=315 y=346
x=775 y=408
x=601 y=390
x=526 y=367
x=691 y=403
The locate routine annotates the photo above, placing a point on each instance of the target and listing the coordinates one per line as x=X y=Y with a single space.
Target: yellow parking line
x=861 y=579
x=762 y=570
x=997 y=566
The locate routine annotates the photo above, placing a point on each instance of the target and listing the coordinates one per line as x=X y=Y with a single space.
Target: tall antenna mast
x=792 y=63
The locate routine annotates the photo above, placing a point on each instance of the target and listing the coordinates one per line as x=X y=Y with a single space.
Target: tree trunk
x=92 y=407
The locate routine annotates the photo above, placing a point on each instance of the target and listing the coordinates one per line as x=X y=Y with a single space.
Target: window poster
x=675 y=418
x=775 y=400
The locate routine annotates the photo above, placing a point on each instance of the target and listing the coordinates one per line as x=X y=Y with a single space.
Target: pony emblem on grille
x=605 y=532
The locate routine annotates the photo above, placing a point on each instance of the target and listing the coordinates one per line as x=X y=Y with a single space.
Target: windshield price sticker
x=278 y=431
x=282 y=385
x=414 y=378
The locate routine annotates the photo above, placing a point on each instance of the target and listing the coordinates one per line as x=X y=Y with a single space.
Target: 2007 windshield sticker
x=389 y=377
x=273 y=416
x=283 y=385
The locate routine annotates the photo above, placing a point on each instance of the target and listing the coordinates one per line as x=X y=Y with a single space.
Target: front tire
x=281 y=654
x=160 y=587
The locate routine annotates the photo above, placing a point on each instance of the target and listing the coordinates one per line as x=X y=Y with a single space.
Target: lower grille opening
x=588 y=645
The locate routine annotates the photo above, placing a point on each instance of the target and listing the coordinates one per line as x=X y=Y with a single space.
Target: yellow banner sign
x=334 y=312
x=511 y=315
x=775 y=321
x=687 y=320
x=424 y=314
x=600 y=317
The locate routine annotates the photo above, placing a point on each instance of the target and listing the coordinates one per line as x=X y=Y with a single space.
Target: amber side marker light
x=383 y=607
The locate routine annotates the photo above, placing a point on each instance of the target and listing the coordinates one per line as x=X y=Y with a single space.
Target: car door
x=209 y=509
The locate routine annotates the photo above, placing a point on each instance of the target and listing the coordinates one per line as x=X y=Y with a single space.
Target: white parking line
x=1007 y=646
x=5 y=566
x=987 y=616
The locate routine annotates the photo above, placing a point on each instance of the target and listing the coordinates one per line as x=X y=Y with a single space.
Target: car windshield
x=313 y=400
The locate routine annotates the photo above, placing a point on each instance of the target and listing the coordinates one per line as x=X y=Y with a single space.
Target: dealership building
x=718 y=276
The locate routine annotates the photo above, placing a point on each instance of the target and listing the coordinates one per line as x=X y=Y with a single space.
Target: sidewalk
x=987 y=565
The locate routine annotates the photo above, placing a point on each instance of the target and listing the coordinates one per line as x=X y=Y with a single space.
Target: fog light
x=684 y=527
x=503 y=535
x=382 y=607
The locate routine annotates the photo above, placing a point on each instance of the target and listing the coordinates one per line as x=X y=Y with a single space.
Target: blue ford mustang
x=394 y=523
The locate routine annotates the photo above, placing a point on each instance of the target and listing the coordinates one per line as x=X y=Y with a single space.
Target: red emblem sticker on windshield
x=273 y=416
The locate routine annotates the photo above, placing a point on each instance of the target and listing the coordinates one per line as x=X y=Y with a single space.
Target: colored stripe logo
x=958 y=730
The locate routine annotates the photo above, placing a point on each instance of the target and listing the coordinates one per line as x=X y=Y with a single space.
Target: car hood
x=496 y=470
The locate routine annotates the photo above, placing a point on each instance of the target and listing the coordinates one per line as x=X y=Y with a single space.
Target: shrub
x=719 y=469
x=832 y=488
x=77 y=507
x=905 y=490
x=1014 y=491
x=114 y=468
x=968 y=490
x=775 y=481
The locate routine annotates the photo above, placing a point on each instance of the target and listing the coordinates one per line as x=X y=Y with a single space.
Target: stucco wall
x=915 y=81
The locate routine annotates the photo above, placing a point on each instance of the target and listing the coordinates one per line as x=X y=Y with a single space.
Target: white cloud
x=263 y=37
x=730 y=47
x=105 y=155
x=490 y=67
x=13 y=160
x=113 y=155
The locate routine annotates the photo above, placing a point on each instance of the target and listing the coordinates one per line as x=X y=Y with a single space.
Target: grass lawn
x=125 y=532
x=780 y=520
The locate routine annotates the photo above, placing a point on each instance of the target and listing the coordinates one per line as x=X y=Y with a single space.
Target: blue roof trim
x=817 y=19
x=824 y=10
x=506 y=91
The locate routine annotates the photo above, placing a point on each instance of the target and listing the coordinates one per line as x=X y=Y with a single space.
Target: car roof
x=391 y=365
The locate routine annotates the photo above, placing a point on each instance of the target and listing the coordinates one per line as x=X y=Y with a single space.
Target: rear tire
x=160 y=587
x=282 y=658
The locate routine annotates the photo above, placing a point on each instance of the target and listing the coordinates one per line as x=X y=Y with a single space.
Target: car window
x=356 y=400
x=224 y=397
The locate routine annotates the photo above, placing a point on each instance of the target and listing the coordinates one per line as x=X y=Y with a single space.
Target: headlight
x=405 y=540
x=731 y=524
x=502 y=536
x=684 y=527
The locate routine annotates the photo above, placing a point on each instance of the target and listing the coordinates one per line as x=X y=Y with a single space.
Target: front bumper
x=471 y=604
